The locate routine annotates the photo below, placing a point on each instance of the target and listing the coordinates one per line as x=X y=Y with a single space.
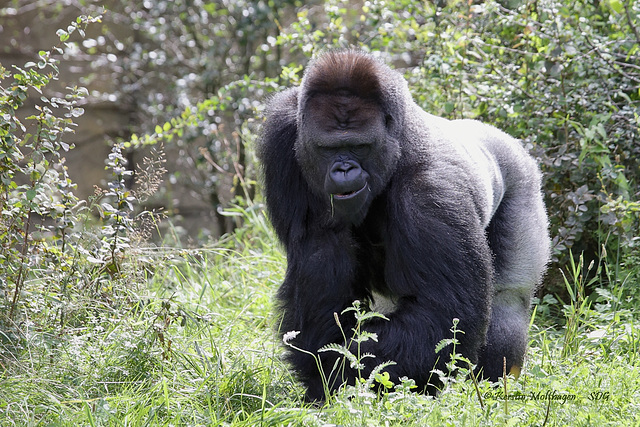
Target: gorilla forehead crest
x=375 y=199
x=344 y=70
x=354 y=72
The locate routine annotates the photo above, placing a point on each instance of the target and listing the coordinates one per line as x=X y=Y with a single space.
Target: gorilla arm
x=285 y=188
x=318 y=284
x=438 y=267
x=320 y=259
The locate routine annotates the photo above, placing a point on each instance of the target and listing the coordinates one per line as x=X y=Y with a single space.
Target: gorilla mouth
x=351 y=194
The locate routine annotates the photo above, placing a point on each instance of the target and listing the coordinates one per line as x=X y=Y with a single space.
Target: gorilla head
x=344 y=133
x=372 y=196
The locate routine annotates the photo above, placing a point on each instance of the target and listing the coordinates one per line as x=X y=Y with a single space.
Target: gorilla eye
x=388 y=120
x=361 y=150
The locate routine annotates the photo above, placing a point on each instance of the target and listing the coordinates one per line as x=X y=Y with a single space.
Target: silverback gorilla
x=378 y=201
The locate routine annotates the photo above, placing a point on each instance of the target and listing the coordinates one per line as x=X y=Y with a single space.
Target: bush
x=54 y=253
x=34 y=185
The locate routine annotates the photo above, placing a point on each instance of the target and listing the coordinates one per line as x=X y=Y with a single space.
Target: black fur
x=450 y=223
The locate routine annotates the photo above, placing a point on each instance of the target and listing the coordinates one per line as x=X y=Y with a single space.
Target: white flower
x=289 y=336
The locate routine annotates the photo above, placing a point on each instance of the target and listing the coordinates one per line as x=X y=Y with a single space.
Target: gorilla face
x=341 y=148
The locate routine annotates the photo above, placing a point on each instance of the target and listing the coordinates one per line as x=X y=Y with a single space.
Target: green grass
x=185 y=337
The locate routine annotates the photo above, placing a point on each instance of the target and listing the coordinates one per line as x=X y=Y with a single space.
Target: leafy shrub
x=53 y=253
x=34 y=184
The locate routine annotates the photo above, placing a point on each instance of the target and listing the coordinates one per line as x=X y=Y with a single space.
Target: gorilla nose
x=345 y=178
x=345 y=171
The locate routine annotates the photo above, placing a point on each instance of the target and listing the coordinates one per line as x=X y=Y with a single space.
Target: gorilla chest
x=371 y=256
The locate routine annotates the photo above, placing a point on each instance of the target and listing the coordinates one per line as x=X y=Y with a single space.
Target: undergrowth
x=189 y=341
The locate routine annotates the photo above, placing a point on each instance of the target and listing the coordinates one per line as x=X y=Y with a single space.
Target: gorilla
x=424 y=218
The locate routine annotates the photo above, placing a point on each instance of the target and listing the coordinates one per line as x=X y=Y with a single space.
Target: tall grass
x=186 y=338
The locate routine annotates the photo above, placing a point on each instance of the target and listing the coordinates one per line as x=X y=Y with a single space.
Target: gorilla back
x=376 y=200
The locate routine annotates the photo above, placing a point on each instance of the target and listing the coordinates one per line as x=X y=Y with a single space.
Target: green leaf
x=64 y=36
x=77 y=112
x=31 y=194
x=449 y=107
x=384 y=379
x=616 y=6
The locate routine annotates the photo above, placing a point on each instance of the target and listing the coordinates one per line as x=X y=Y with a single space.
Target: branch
x=613 y=64
x=630 y=21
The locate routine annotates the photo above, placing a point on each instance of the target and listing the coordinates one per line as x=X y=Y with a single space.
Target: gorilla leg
x=519 y=240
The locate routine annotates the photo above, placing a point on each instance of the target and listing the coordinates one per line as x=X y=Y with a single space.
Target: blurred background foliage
x=183 y=85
